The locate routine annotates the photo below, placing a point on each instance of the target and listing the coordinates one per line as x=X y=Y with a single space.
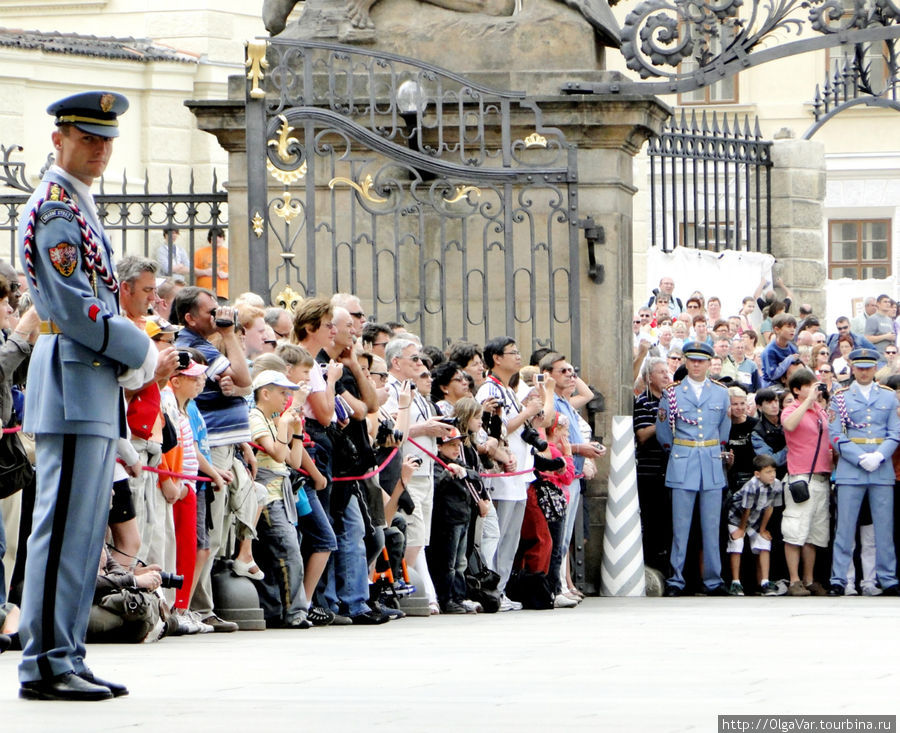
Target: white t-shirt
x=509 y=488
x=316 y=384
x=419 y=412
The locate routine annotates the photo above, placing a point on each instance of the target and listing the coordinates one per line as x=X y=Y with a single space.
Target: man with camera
x=348 y=576
x=227 y=419
x=509 y=493
x=405 y=364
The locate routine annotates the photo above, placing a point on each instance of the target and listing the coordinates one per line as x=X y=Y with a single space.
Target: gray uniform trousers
x=74 y=484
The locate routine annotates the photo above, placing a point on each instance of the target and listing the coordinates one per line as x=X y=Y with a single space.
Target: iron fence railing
x=135 y=222
x=710 y=185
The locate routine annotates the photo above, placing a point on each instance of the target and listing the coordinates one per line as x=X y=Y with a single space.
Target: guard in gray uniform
x=86 y=353
x=865 y=431
x=692 y=425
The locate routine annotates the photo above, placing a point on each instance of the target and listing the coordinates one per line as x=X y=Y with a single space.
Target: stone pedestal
x=798 y=203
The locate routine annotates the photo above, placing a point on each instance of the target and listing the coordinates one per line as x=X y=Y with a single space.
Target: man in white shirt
x=502 y=358
x=404 y=362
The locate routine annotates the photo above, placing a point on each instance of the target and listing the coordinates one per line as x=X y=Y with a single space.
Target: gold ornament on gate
x=256 y=62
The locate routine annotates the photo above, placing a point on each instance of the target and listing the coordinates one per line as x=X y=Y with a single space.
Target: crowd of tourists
x=333 y=461
x=797 y=489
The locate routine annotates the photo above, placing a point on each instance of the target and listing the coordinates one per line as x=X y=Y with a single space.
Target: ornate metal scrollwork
x=691 y=44
x=364 y=190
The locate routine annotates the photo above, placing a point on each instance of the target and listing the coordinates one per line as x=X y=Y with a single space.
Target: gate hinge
x=594 y=234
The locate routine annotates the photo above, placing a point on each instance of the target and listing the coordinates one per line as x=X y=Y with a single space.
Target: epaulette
x=884 y=386
x=842 y=389
x=717 y=382
x=55 y=192
x=56 y=205
x=672 y=384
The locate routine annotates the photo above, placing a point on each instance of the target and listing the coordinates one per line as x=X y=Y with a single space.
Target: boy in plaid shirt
x=749 y=511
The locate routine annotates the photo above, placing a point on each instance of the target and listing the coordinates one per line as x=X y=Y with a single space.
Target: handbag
x=800 y=488
x=16 y=470
x=551 y=500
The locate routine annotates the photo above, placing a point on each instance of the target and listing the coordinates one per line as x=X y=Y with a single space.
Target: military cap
x=697 y=350
x=864 y=357
x=95 y=113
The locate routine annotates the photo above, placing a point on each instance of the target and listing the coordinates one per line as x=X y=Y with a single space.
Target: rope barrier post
x=622 y=567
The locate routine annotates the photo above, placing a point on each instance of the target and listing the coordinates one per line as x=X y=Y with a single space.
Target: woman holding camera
x=805 y=523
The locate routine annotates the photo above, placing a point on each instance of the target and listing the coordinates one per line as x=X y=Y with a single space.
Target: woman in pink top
x=805 y=526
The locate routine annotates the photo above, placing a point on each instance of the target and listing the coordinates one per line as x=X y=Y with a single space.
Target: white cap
x=272 y=377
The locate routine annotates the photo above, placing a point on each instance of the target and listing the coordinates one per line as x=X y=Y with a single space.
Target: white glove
x=870 y=461
x=134 y=379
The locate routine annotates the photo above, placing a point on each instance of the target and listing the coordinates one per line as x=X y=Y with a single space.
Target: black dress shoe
x=891 y=590
x=673 y=591
x=371 y=618
x=5 y=643
x=719 y=590
x=118 y=690
x=68 y=686
x=835 y=589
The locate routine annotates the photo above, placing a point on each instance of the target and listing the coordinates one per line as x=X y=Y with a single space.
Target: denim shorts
x=316 y=533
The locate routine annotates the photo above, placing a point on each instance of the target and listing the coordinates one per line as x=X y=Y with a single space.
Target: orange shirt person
x=203 y=263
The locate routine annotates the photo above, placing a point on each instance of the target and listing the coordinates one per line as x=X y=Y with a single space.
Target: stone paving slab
x=652 y=664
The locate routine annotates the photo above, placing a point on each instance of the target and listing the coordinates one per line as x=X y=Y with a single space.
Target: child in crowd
x=219 y=478
x=280 y=435
x=454 y=495
x=749 y=511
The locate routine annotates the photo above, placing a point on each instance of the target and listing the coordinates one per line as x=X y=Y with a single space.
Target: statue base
x=546 y=35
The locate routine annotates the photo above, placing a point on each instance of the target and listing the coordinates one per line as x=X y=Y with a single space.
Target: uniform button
x=96 y=363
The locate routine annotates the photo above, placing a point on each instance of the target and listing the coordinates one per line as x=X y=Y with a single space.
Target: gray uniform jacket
x=72 y=378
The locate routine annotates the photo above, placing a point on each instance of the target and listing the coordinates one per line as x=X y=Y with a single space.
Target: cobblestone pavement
x=610 y=665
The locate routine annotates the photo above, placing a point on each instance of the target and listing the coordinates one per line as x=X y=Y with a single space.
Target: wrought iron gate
x=442 y=203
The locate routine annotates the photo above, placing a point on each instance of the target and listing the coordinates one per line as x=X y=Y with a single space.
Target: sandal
x=247 y=569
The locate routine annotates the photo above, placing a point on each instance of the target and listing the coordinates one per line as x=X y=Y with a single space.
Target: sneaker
x=340 y=620
x=434 y=609
x=204 y=627
x=735 y=589
x=297 y=623
x=563 y=601
x=184 y=624
x=452 y=607
x=507 y=604
x=220 y=625
x=472 y=606
x=371 y=618
x=798 y=589
x=850 y=590
x=768 y=589
x=319 y=616
x=835 y=589
x=870 y=590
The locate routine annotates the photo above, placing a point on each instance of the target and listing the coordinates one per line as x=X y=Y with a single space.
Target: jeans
x=557 y=530
x=710 y=513
x=348 y=573
x=446 y=558
x=881 y=502
x=277 y=552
